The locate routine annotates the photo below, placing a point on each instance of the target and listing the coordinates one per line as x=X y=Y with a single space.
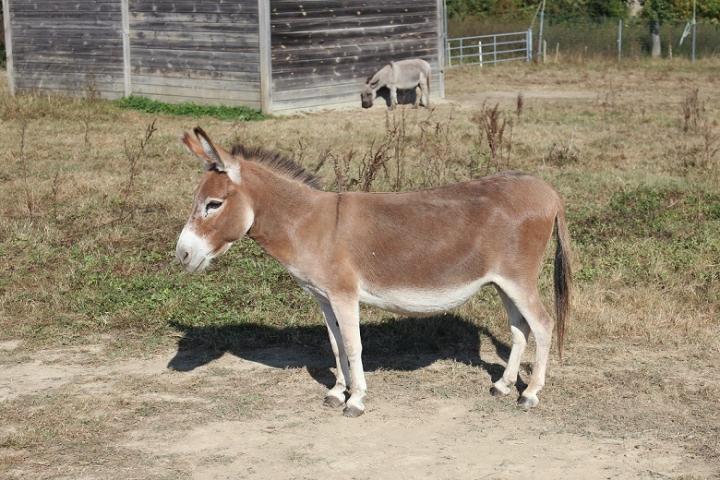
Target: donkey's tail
x=562 y=276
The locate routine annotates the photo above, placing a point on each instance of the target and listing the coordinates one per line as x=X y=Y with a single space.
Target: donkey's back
x=410 y=73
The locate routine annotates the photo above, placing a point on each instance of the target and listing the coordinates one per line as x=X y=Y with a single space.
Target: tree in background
x=557 y=9
x=657 y=12
x=653 y=10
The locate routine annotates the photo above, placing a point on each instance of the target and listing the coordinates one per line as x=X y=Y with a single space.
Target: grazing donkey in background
x=415 y=252
x=406 y=74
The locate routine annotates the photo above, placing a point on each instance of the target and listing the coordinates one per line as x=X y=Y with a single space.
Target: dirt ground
x=193 y=413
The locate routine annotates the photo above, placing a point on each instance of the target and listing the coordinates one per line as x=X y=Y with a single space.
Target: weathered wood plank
x=194 y=6
x=196 y=73
x=301 y=10
x=382 y=33
x=181 y=80
x=63 y=66
x=204 y=100
x=50 y=42
x=79 y=58
x=109 y=94
x=342 y=64
x=311 y=5
x=331 y=24
x=63 y=17
x=210 y=27
x=340 y=42
x=196 y=18
x=210 y=57
x=417 y=15
x=195 y=41
x=198 y=91
x=22 y=8
x=43 y=75
x=325 y=79
x=300 y=56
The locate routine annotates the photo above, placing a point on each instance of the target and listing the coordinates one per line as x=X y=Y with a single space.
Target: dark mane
x=277 y=163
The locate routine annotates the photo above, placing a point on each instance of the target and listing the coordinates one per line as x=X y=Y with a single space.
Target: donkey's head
x=369 y=91
x=221 y=213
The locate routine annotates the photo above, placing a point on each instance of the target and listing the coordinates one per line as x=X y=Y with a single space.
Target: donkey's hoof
x=333 y=402
x=496 y=392
x=528 y=402
x=352 y=411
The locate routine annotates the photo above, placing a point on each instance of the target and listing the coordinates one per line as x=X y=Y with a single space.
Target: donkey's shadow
x=405 y=344
x=404 y=96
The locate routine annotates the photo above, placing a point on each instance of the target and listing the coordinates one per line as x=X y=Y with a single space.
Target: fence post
x=494 y=49
x=694 y=30
x=125 y=18
x=461 y=52
x=9 y=65
x=619 y=39
x=540 y=33
x=480 y=53
x=528 y=44
x=544 y=49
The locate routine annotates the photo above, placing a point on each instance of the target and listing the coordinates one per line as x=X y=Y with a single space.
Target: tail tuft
x=562 y=277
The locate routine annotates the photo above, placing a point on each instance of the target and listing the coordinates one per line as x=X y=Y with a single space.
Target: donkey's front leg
x=393 y=97
x=347 y=312
x=335 y=397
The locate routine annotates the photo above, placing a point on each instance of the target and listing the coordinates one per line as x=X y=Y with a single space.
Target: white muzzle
x=192 y=251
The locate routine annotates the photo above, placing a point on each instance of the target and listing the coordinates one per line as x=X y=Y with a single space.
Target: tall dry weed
x=134 y=156
x=493 y=125
x=693 y=110
x=24 y=167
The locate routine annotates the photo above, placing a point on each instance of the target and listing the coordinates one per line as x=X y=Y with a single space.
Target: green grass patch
x=190 y=109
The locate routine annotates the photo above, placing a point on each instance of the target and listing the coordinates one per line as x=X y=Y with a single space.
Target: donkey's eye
x=212 y=205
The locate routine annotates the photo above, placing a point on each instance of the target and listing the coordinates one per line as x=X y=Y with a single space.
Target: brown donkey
x=415 y=252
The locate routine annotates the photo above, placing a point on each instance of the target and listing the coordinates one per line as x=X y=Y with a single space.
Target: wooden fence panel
x=68 y=46
x=198 y=50
x=323 y=50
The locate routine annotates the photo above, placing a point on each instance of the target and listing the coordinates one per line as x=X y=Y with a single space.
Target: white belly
x=421 y=300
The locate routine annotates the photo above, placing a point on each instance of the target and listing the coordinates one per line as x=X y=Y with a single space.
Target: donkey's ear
x=208 y=148
x=196 y=148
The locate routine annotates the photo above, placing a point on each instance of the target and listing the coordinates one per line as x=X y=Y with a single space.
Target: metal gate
x=489 y=49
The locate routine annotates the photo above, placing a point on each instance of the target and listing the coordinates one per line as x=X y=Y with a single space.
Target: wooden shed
x=274 y=55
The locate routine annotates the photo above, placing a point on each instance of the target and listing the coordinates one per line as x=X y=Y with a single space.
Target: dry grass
x=81 y=265
x=640 y=175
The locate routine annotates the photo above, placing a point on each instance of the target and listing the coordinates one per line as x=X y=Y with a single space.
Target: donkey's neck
x=282 y=208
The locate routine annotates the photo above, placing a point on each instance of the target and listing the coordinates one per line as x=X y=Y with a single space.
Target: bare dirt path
x=83 y=412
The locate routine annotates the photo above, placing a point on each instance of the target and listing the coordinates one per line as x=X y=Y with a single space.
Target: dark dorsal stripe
x=277 y=163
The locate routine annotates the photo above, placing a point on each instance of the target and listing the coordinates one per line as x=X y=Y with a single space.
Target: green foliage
x=558 y=10
x=564 y=10
x=660 y=10
x=147 y=105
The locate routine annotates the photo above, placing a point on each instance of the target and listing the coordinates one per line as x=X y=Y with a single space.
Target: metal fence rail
x=489 y=49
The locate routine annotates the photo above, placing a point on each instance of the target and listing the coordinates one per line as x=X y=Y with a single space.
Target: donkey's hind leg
x=335 y=397
x=425 y=91
x=520 y=330
x=527 y=301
